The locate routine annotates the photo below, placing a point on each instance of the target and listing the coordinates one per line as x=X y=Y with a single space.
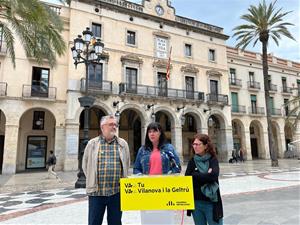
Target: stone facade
x=138 y=40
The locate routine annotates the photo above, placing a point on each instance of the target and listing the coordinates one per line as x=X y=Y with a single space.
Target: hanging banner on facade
x=157 y=193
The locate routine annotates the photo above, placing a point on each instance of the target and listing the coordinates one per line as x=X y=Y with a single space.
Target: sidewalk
x=37 y=180
x=57 y=202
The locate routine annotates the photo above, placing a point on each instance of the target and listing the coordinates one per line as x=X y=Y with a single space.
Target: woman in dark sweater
x=204 y=168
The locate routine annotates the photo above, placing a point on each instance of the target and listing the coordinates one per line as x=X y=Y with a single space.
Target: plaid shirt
x=109 y=168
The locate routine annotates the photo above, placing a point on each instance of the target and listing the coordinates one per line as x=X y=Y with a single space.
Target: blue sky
x=226 y=14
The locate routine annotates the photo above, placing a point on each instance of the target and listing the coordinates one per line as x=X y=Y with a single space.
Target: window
x=1 y=37
x=162 y=84
x=96 y=29
x=232 y=76
x=284 y=84
x=188 y=50
x=251 y=79
x=189 y=85
x=298 y=86
x=95 y=73
x=40 y=82
x=253 y=104
x=234 y=102
x=286 y=107
x=131 y=37
x=270 y=82
x=131 y=79
x=211 y=55
x=38 y=120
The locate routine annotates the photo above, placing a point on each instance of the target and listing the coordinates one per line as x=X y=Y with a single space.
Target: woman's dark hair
x=205 y=139
x=162 y=138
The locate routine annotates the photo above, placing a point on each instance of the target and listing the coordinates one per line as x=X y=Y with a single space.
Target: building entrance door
x=254 y=149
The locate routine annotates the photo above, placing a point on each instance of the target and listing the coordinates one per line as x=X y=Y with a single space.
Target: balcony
x=272 y=88
x=286 y=91
x=96 y=87
x=253 y=85
x=238 y=109
x=235 y=83
x=3 y=89
x=152 y=91
x=256 y=110
x=215 y=99
x=276 y=112
x=38 y=91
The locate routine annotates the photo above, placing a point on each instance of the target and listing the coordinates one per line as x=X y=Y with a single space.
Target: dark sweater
x=199 y=179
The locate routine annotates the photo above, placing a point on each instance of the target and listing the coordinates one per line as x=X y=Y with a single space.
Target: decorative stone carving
x=189 y=68
x=161 y=34
x=131 y=58
x=161 y=63
x=213 y=73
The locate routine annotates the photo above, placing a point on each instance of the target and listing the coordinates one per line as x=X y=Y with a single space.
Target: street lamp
x=86 y=50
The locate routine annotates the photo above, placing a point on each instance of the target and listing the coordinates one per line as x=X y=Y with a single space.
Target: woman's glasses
x=196 y=144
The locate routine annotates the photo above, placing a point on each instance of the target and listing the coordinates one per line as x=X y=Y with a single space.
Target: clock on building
x=159 y=10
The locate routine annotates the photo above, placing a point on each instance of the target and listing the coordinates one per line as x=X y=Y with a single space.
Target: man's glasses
x=113 y=124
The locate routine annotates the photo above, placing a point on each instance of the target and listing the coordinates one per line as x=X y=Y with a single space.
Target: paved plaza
x=253 y=193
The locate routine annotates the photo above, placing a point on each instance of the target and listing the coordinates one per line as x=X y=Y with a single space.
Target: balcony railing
x=235 y=82
x=3 y=47
x=276 y=112
x=217 y=99
x=97 y=87
x=3 y=89
x=287 y=90
x=257 y=110
x=38 y=91
x=152 y=91
x=238 y=109
x=253 y=85
x=272 y=87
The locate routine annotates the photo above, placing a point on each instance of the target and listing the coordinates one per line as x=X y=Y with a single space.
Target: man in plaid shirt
x=105 y=161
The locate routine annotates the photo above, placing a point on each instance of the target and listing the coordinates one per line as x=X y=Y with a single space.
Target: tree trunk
x=272 y=147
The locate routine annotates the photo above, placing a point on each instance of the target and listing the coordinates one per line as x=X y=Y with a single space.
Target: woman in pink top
x=156 y=156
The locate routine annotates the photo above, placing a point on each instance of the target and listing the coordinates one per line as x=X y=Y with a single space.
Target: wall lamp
x=206 y=110
x=148 y=107
x=182 y=117
x=117 y=113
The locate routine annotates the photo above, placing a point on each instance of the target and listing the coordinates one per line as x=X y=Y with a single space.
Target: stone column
x=227 y=144
x=177 y=140
x=10 y=149
x=248 y=145
x=60 y=147
x=265 y=145
x=72 y=146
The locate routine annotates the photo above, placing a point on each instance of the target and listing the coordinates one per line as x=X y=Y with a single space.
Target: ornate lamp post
x=86 y=50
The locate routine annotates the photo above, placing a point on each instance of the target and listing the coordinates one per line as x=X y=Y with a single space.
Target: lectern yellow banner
x=157 y=193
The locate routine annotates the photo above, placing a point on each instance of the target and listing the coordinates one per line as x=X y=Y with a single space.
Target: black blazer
x=199 y=179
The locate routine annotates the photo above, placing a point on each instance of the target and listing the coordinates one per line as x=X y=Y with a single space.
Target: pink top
x=155 y=162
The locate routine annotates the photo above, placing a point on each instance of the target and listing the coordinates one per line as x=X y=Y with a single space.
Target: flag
x=168 y=66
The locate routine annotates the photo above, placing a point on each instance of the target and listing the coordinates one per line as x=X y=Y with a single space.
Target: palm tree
x=36 y=25
x=264 y=22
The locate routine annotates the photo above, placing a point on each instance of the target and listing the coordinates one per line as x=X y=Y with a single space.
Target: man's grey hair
x=105 y=118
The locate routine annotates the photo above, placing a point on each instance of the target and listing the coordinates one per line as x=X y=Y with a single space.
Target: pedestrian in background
x=241 y=153
x=51 y=162
x=204 y=169
x=105 y=161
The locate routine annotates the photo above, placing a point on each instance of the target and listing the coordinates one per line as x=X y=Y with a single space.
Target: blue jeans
x=97 y=206
x=203 y=213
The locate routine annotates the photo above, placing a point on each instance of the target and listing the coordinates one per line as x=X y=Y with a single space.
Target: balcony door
x=214 y=90
x=40 y=82
x=189 y=87
x=95 y=75
x=234 y=102
x=162 y=84
x=131 y=80
x=253 y=104
x=251 y=79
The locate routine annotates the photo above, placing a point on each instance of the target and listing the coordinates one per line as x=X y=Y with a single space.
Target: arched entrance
x=165 y=121
x=288 y=133
x=257 y=145
x=189 y=129
x=2 y=137
x=130 y=130
x=216 y=131
x=238 y=135
x=36 y=139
